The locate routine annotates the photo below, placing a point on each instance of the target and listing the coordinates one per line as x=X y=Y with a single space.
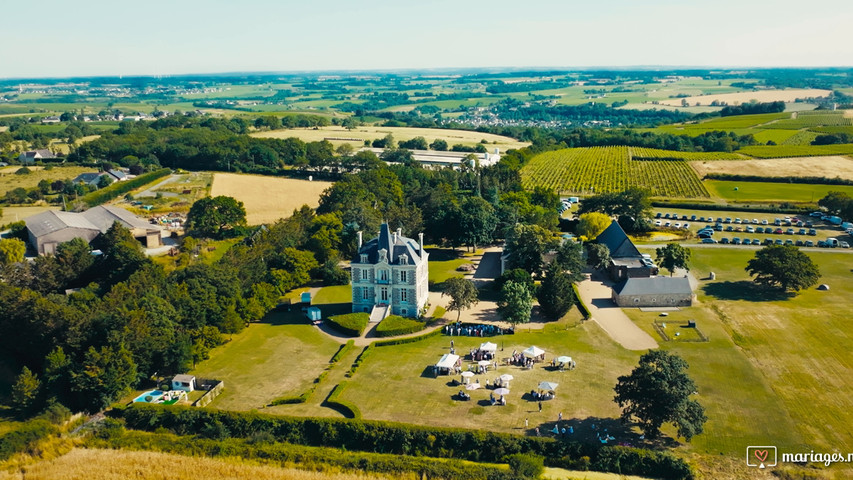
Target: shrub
x=120 y=188
x=25 y=438
x=348 y=409
x=23 y=171
x=352 y=324
x=401 y=341
x=361 y=357
x=526 y=466
x=342 y=351
x=581 y=306
x=394 y=325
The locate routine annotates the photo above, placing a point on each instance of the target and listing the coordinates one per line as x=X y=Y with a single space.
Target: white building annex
x=390 y=276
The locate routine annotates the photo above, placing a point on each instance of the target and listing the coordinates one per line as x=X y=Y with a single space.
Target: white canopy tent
x=533 y=352
x=489 y=347
x=447 y=364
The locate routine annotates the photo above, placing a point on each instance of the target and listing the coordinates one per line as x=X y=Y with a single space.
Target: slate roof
x=618 y=242
x=99 y=218
x=653 y=286
x=42 y=153
x=87 y=177
x=385 y=240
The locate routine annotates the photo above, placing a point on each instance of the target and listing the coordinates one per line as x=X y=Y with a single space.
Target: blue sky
x=99 y=37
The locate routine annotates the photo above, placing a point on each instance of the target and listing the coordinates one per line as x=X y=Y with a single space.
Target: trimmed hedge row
x=342 y=351
x=402 y=439
x=394 y=325
x=782 y=208
x=401 y=341
x=120 y=188
x=304 y=396
x=352 y=324
x=305 y=458
x=348 y=409
x=361 y=357
x=758 y=178
x=581 y=306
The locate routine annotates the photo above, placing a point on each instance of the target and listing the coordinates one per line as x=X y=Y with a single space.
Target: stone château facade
x=390 y=275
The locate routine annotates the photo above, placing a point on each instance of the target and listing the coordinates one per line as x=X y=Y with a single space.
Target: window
x=403 y=277
x=403 y=312
x=364 y=274
x=383 y=275
x=384 y=294
x=404 y=295
x=366 y=294
x=363 y=258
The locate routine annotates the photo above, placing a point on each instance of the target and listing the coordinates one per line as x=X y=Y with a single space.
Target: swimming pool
x=149 y=397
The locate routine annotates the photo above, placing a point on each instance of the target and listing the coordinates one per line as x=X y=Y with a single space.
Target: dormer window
x=383 y=255
x=363 y=258
x=404 y=259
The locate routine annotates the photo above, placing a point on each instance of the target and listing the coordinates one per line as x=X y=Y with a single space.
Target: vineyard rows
x=611 y=169
x=803 y=137
x=640 y=153
x=782 y=151
x=805 y=120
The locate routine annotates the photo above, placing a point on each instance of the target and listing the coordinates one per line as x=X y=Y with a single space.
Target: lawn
x=279 y=356
x=756 y=192
x=443 y=263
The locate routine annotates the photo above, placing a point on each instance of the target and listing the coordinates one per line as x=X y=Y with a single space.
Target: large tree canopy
x=462 y=293
x=673 y=256
x=657 y=392
x=783 y=266
x=213 y=216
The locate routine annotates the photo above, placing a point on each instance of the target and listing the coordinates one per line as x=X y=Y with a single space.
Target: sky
x=60 y=38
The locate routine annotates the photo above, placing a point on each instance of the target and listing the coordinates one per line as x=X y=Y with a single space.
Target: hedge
x=401 y=341
x=394 y=325
x=304 y=396
x=361 y=357
x=402 y=439
x=348 y=409
x=581 y=306
x=120 y=188
x=303 y=457
x=342 y=351
x=352 y=324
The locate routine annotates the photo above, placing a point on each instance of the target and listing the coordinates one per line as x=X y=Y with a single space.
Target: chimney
x=358 y=234
x=421 y=241
x=399 y=232
x=393 y=239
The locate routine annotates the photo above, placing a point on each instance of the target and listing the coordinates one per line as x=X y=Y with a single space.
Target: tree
x=526 y=245
x=212 y=217
x=590 y=225
x=104 y=375
x=570 y=259
x=476 y=222
x=12 y=250
x=438 y=144
x=517 y=275
x=673 y=256
x=462 y=293
x=105 y=181
x=783 y=266
x=598 y=255
x=657 y=392
x=516 y=303
x=25 y=391
x=633 y=207
x=556 y=295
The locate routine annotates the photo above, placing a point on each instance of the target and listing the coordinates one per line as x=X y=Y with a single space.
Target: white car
x=685 y=226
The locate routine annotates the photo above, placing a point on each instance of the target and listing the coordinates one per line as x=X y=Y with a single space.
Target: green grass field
x=9 y=180
x=759 y=192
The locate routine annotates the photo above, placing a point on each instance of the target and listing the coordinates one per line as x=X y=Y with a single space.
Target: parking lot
x=754 y=229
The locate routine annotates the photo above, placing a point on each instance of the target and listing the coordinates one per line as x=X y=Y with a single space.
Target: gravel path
x=597 y=296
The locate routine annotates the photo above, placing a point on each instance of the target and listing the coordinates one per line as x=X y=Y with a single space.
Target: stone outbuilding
x=653 y=292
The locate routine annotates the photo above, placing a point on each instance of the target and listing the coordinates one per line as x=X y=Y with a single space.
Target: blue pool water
x=154 y=394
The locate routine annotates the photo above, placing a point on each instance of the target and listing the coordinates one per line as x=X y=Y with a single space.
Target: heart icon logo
x=761 y=455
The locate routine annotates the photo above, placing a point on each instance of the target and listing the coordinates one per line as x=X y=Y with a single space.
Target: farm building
x=94 y=178
x=390 y=275
x=447 y=158
x=625 y=260
x=184 y=382
x=653 y=292
x=33 y=155
x=48 y=229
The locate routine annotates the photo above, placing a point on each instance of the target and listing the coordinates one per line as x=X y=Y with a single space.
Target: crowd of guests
x=475 y=330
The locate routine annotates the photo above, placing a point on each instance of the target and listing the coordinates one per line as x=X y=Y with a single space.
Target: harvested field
x=358 y=135
x=788 y=95
x=14 y=214
x=268 y=198
x=831 y=167
x=10 y=181
x=102 y=464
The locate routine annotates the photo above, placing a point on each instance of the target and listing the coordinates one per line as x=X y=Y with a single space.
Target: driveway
x=597 y=296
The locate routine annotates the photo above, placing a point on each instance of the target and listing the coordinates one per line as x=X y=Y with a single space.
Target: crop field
x=611 y=169
x=781 y=151
x=9 y=180
x=739 y=121
x=812 y=119
x=777 y=136
x=831 y=167
x=640 y=153
x=268 y=199
x=787 y=95
x=14 y=214
x=360 y=134
x=746 y=192
x=847 y=130
x=802 y=137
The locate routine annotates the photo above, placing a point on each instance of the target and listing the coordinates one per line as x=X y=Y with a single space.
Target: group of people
x=477 y=354
x=463 y=395
x=562 y=431
x=570 y=365
x=497 y=401
x=520 y=360
x=539 y=396
x=477 y=330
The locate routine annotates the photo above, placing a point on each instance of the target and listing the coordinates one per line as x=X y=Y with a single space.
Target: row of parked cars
x=828 y=243
x=708 y=231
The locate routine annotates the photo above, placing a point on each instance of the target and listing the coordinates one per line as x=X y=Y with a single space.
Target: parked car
x=755 y=221
x=802 y=231
x=666 y=216
x=809 y=243
x=812 y=232
x=685 y=226
x=657 y=223
x=750 y=229
x=799 y=243
x=719 y=219
x=730 y=228
x=764 y=222
x=789 y=231
x=658 y=215
x=718 y=227
x=724 y=241
x=789 y=242
x=693 y=218
x=756 y=241
x=778 y=231
x=821 y=244
x=677 y=225
x=779 y=241
x=728 y=220
x=843 y=244
x=708 y=240
x=759 y=229
x=767 y=241
x=816 y=214
x=809 y=224
x=737 y=220
x=736 y=241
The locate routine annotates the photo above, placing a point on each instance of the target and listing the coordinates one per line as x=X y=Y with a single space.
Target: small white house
x=183 y=382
